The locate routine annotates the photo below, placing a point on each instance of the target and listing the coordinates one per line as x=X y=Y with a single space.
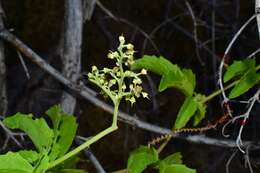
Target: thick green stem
x=92 y=140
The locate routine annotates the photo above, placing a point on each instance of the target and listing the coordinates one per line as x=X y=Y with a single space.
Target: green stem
x=92 y=140
x=257 y=67
x=214 y=94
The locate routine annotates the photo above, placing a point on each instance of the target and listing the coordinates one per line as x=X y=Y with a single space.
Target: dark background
x=159 y=27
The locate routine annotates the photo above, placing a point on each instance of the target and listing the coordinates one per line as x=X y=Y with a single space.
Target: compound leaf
x=175 y=158
x=174 y=168
x=29 y=155
x=187 y=110
x=238 y=68
x=37 y=129
x=158 y=65
x=140 y=158
x=14 y=163
x=172 y=74
x=65 y=128
x=245 y=83
x=201 y=111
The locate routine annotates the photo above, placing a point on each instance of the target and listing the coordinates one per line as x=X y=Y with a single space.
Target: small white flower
x=137 y=81
x=110 y=56
x=144 y=72
x=94 y=68
x=130 y=46
x=145 y=95
x=124 y=87
x=122 y=39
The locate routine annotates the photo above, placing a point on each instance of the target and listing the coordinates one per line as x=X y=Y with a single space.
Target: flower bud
x=130 y=46
x=122 y=39
x=144 y=72
x=110 y=56
x=94 y=68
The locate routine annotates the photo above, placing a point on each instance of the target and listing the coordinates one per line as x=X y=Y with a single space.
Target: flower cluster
x=113 y=81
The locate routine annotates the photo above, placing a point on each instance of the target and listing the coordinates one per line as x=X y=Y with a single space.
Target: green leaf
x=72 y=171
x=65 y=128
x=245 y=83
x=43 y=164
x=140 y=158
x=29 y=155
x=38 y=130
x=172 y=75
x=190 y=79
x=175 y=158
x=14 y=163
x=174 y=168
x=158 y=65
x=201 y=111
x=54 y=113
x=179 y=81
x=187 y=110
x=238 y=68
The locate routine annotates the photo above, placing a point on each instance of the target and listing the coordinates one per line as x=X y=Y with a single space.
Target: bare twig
x=91 y=156
x=118 y=19
x=254 y=53
x=247 y=160
x=195 y=32
x=257 y=11
x=24 y=65
x=10 y=135
x=230 y=160
x=245 y=118
x=225 y=99
x=3 y=93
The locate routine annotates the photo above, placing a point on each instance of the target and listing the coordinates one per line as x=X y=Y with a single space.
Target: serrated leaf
x=172 y=75
x=54 y=113
x=245 y=83
x=158 y=65
x=238 y=68
x=179 y=81
x=37 y=129
x=140 y=158
x=201 y=111
x=175 y=158
x=65 y=128
x=186 y=111
x=14 y=163
x=68 y=128
x=170 y=79
x=190 y=79
x=29 y=155
x=175 y=168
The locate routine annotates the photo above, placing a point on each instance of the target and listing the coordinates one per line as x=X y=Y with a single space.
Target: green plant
x=194 y=105
x=143 y=157
x=52 y=144
x=246 y=76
